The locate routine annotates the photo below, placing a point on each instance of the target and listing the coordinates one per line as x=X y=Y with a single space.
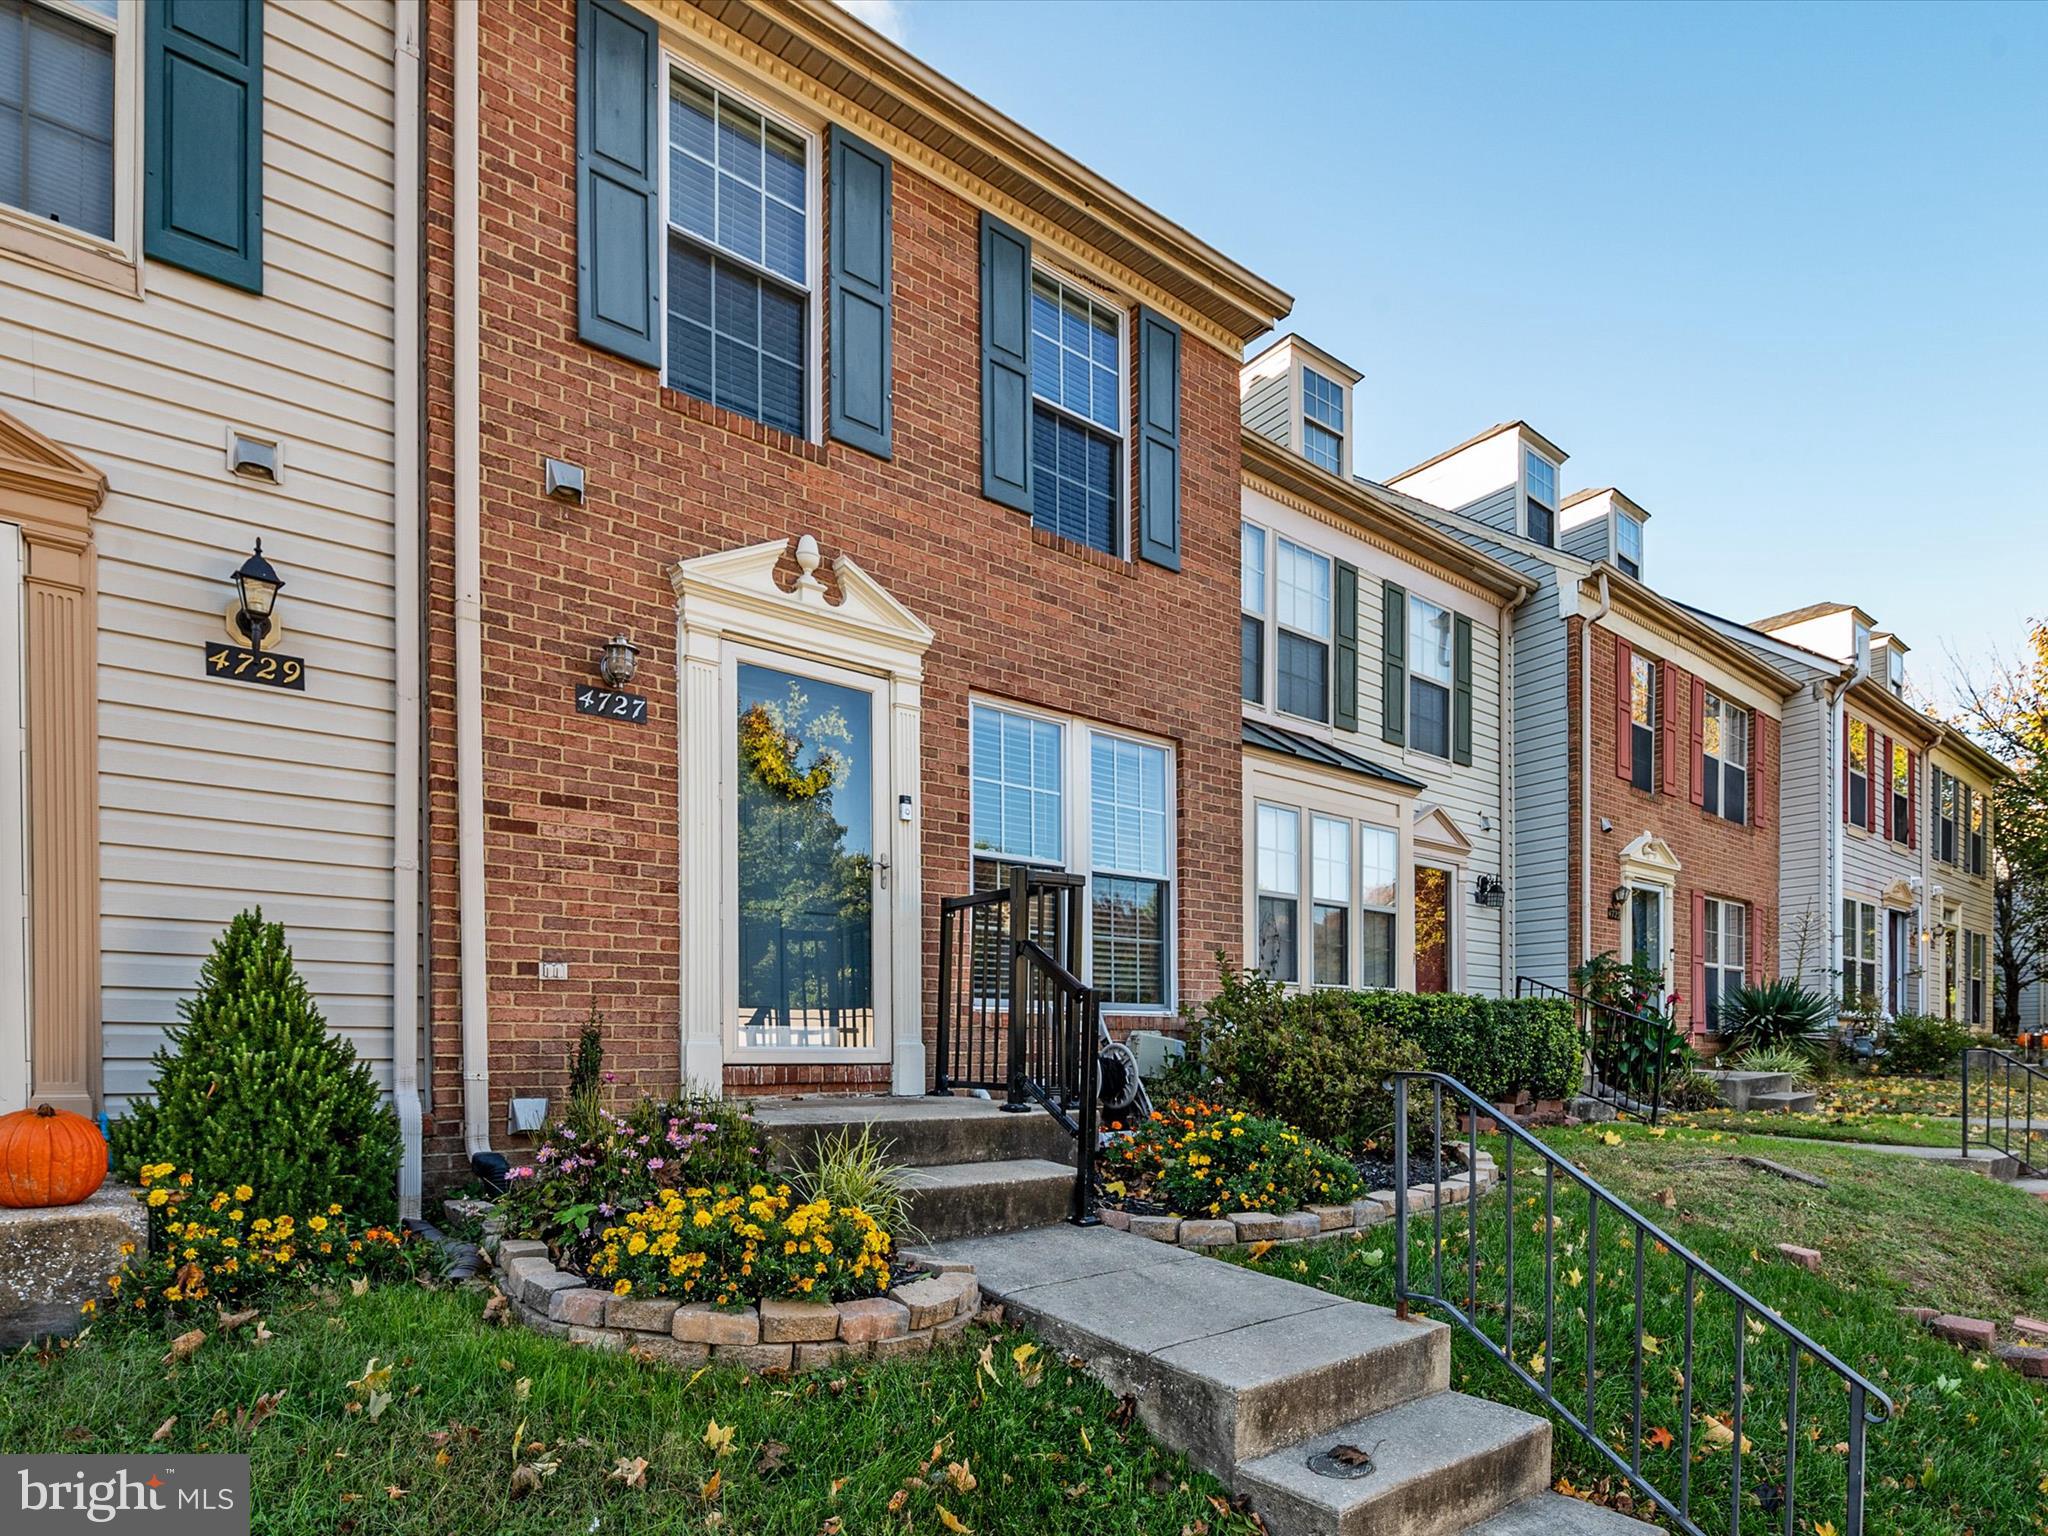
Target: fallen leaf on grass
x=522 y=1389
x=246 y=1419
x=769 y=1462
x=498 y=1309
x=1660 y=1437
x=832 y=1527
x=163 y=1430
x=961 y=1476
x=631 y=1470
x=230 y=1321
x=185 y=1345
x=954 y=1523
x=708 y=1492
x=359 y=1285
x=897 y=1500
x=718 y=1438
x=392 y=1490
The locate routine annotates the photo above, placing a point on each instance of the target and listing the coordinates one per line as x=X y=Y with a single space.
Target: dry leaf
x=897 y=1500
x=359 y=1285
x=185 y=1345
x=961 y=1476
x=230 y=1321
x=954 y=1523
x=498 y=1309
x=163 y=1430
x=392 y=1490
x=1087 y=1445
x=379 y=1401
x=709 y=1491
x=246 y=1419
x=1660 y=1437
x=837 y=1484
x=769 y=1462
x=718 y=1438
x=832 y=1527
x=631 y=1470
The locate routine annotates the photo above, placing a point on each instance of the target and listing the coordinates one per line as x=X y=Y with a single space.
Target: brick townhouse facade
x=1680 y=733
x=798 y=516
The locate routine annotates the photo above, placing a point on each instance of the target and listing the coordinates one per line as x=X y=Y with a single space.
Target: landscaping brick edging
x=931 y=1310
x=1316 y=1224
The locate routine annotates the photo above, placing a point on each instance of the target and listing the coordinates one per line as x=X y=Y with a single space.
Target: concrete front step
x=1440 y=1464
x=950 y=1200
x=1551 y=1514
x=923 y=1131
x=1225 y=1364
x=1739 y=1090
x=1792 y=1101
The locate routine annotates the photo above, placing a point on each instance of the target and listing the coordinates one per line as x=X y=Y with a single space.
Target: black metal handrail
x=1711 y=1300
x=1055 y=1055
x=1627 y=1052
x=2009 y=1082
x=971 y=1048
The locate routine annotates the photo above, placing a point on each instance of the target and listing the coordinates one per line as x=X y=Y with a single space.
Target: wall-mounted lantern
x=252 y=617
x=1616 y=900
x=621 y=659
x=1489 y=891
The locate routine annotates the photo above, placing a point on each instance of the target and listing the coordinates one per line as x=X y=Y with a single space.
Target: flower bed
x=1198 y=1158
x=777 y=1333
x=728 y=1246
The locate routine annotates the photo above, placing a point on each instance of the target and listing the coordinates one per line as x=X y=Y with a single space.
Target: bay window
x=1724 y=759
x=1330 y=893
x=1278 y=892
x=1429 y=677
x=1379 y=876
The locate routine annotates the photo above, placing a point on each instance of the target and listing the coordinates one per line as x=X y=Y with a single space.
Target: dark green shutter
x=862 y=389
x=1344 y=708
x=618 y=181
x=1005 y=364
x=1461 y=690
x=1394 y=664
x=1159 y=441
x=202 y=107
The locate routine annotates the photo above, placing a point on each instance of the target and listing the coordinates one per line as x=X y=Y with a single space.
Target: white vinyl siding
x=215 y=796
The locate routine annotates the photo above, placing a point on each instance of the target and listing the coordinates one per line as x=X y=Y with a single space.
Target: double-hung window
x=1429 y=677
x=1540 y=480
x=1859 y=954
x=1330 y=894
x=1077 y=414
x=1628 y=546
x=57 y=110
x=1251 y=620
x=1322 y=426
x=1278 y=891
x=1978 y=807
x=1901 y=775
x=1859 y=774
x=1130 y=880
x=1115 y=827
x=1978 y=970
x=739 y=256
x=1945 y=803
x=1895 y=670
x=1302 y=611
x=1724 y=954
x=1642 y=722
x=1379 y=858
x=1724 y=759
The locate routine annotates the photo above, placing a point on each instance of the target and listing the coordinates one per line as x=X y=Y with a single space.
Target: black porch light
x=256 y=587
x=621 y=659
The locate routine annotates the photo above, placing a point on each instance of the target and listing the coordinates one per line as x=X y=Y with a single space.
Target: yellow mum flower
x=244 y=1192
x=622 y=1287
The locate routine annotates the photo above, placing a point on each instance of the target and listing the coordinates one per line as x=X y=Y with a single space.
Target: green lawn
x=900 y=1446
x=1967 y=1453
x=1889 y=1111
x=1908 y=1130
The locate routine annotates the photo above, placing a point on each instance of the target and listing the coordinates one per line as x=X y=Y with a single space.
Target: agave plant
x=1769 y=1014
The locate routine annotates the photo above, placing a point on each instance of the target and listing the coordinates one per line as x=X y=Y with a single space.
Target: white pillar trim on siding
x=732 y=598
x=14 y=1065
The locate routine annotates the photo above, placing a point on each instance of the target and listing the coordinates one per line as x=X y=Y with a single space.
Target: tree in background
x=2005 y=709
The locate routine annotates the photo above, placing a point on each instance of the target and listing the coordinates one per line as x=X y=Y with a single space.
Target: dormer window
x=1628 y=546
x=1895 y=669
x=1540 y=480
x=1322 y=425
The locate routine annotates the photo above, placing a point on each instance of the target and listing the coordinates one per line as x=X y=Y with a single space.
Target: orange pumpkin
x=49 y=1156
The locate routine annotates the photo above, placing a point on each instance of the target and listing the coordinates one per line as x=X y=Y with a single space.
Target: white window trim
x=1714 y=912
x=1410 y=751
x=1271 y=660
x=1614 y=542
x=1522 y=495
x=1851 y=934
x=1077 y=813
x=115 y=263
x=1343 y=434
x=1454 y=919
x=1305 y=804
x=1729 y=707
x=815 y=296
x=1121 y=519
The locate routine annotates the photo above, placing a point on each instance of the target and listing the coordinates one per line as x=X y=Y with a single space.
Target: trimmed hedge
x=1320 y=1060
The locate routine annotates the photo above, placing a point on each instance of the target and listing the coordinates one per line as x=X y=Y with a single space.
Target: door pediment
x=737 y=593
x=1435 y=830
x=1650 y=857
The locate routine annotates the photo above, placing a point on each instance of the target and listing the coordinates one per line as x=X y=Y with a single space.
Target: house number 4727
x=615 y=706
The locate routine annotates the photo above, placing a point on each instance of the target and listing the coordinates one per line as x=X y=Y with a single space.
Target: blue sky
x=1779 y=273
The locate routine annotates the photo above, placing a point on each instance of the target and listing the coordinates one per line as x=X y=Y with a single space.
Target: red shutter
x=1623 y=666
x=1912 y=799
x=1670 y=684
x=1886 y=759
x=1755 y=957
x=1699 y=730
x=1696 y=1012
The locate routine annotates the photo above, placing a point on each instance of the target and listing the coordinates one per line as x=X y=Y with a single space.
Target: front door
x=1646 y=930
x=808 y=883
x=1898 y=959
x=1432 y=928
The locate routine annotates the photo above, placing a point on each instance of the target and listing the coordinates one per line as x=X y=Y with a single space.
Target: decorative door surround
x=734 y=598
x=52 y=494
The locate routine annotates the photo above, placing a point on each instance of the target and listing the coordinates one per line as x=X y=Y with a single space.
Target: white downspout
x=1510 y=960
x=1586 y=769
x=407 y=427
x=469 y=699
x=1837 y=837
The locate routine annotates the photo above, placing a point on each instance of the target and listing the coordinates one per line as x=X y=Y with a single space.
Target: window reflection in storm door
x=1898 y=942
x=1432 y=929
x=1646 y=928
x=807 y=876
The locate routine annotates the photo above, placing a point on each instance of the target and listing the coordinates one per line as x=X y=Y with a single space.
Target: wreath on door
x=770 y=750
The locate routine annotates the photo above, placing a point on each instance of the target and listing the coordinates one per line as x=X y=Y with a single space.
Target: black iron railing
x=1734 y=1360
x=1628 y=1054
x=2003 y=1087
x=1015 y=1017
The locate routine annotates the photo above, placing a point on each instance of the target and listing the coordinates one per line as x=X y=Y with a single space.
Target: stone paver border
x=1318 y=1223
x=924 y=1313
